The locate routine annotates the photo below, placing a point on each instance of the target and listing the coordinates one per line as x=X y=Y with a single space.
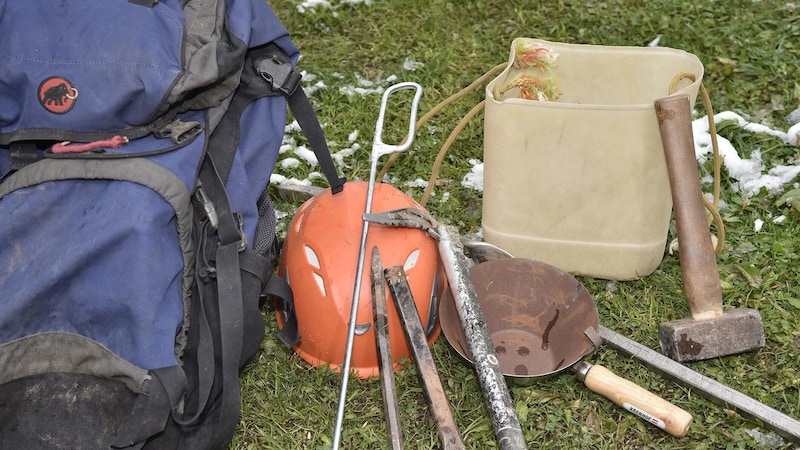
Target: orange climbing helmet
x=319 y=262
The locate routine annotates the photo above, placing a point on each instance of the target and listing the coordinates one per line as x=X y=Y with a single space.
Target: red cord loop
x=68 y=147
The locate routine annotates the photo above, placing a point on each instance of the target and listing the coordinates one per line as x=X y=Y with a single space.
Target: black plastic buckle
x=23 y=154
x=279 y=74
x=179 y=132
x=242 y=235
x=207 y=207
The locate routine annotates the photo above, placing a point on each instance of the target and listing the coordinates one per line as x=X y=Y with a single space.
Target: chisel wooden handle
x=697 y=258
x=636 y=399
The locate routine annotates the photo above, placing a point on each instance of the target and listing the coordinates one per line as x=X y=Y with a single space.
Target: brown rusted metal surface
x=495 y=391
x=421 y=353
x=536 y=315
x=697 y=258
x=385 y=361
x=542 y=321
x=709 y=333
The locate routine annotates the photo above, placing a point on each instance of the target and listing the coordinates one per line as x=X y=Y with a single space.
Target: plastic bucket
x=581 y=182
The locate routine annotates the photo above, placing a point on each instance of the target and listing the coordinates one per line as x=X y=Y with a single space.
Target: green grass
x=750 y=51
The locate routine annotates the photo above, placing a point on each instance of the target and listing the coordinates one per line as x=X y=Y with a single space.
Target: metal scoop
x=543 y=321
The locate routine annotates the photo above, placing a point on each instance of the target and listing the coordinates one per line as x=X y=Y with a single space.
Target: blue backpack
x=137 y=139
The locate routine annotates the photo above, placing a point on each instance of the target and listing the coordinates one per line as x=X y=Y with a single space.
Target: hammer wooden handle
x=697 y=258
x=638 y=400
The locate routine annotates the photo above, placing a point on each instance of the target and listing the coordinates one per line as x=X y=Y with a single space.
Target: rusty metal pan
x=535 y=331
x=542 y=321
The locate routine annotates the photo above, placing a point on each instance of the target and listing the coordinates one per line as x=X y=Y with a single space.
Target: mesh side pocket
x=264 y=241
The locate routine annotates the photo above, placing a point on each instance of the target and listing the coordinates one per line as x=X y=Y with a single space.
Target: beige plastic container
x=581 y=183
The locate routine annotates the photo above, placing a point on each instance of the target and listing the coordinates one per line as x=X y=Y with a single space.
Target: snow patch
x=412 y=65
x=474 y=179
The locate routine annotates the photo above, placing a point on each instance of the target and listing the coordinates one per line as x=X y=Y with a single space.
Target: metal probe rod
x=378 y=148
x=705 y=386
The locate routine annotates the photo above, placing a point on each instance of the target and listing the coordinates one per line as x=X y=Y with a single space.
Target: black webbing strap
x=230 y=318
x=256 y=265
x=229 y=288
x=307 y=119
x=168 y=385
x=256 y=270
x=268 y=72
x=147 y=3
x=23 y=154
x=278 y=287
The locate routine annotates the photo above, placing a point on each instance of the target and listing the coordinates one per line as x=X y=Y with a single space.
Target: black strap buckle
x=179 y=131
x=279 y=74
x=23 y=154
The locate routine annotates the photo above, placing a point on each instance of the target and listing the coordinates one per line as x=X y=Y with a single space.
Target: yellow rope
x=460 y=126
x=449 y=142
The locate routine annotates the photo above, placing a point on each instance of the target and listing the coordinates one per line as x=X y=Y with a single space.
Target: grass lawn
x=751 y=53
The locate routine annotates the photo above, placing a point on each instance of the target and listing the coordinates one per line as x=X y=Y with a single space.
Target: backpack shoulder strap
x=152 y=413
x=307 y=118
x=269 y=72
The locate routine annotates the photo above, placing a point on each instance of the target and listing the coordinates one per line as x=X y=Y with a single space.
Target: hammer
x=710 y=332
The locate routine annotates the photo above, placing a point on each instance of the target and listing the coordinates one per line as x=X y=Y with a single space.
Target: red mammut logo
x=57 y=95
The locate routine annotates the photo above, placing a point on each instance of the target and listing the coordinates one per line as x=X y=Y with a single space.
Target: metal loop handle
x=380 y=148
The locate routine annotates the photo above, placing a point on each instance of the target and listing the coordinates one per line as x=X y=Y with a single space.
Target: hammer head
x=736 y=331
